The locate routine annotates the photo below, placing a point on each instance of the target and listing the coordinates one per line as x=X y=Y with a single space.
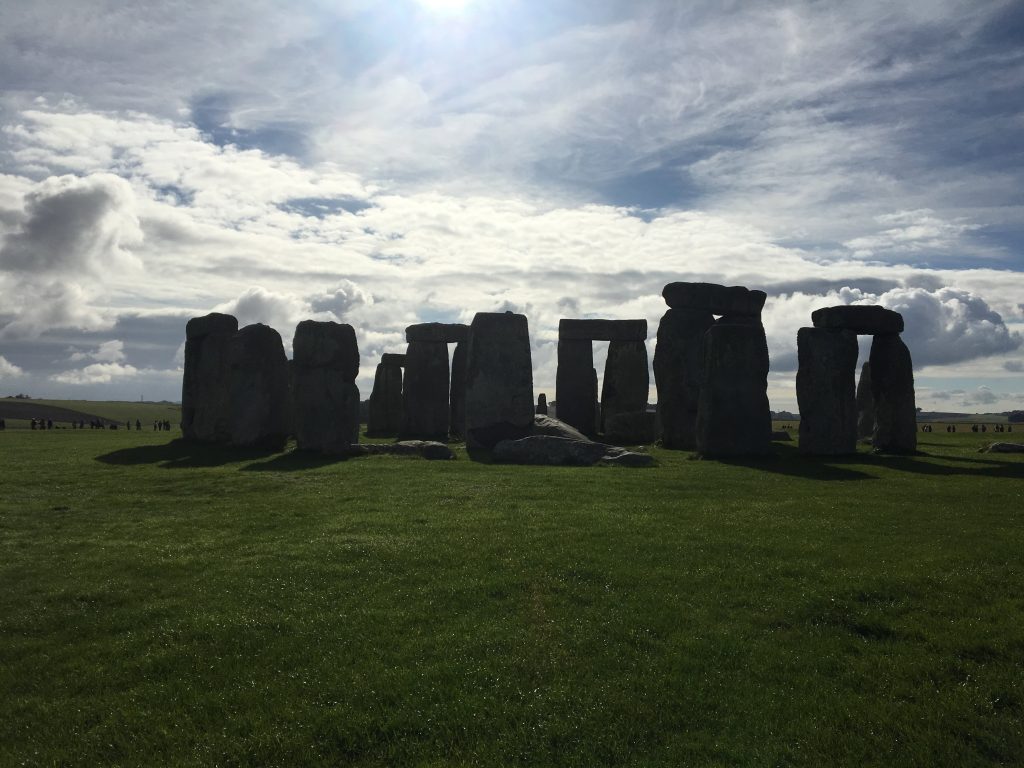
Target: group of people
x=162 y=425
x=995 y=428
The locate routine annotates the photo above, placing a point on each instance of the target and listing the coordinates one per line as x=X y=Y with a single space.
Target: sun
x=444 y=6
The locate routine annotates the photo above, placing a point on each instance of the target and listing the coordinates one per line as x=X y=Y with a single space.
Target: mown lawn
x=172 y=605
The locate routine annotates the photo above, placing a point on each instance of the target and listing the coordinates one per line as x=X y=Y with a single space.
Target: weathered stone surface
x=321 y=344
x=206 y=383
x=385 y=417
x=733 y=418
x=425 y=411
x=626 y=381
x=499 y=381
x=259 y=388
x=457 y=394
x=575 y=385
x=546 y=425
x=892 y=388
x=632 y=428
x=549 y=450
x=602 y=330
x=865 y=403
x=428 y=449
x=215 y=322
x=678 y=369
x=826 y=391
x=448 y=333
x=861 y=319
x=714 y=298
x=390 y=358
x=542 y=404
x=1005 y=448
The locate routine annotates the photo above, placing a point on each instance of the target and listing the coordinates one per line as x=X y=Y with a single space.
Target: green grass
x=176 y=605
x=18 y=412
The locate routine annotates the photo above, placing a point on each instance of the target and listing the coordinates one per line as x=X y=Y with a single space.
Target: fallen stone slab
x=1004 y=448
x=428 y=449
x=602 y=330
x=548 y=450
x=861 y=319
x=714 y=298
x=449 y=333
x=548 y=425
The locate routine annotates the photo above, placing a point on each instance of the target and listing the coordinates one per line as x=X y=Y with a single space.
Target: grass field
x=176 y=605
x=18 y=413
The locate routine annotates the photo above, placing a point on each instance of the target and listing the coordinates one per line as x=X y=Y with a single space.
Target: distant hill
x=65 y=411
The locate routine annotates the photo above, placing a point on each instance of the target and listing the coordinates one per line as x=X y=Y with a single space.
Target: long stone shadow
x=921 y=466
x=181 y=454
x=295 y=461
x=786 y=461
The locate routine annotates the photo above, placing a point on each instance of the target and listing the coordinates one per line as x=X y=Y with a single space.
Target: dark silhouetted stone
x=781 y=436
x=259 y=388
x=678 y=369
x=575 y=386
x=865 y=403
x=602 y=330
x=858 y=318
x=714 y=298
x=206 y=383
x=632 y=428
x=626 y=385
x=385 y=416
x=542 y=404
x=825 y=391
x=457 y=396
x=1005 y=448
x=499 y=381
x=733 y=418
x=448 y=333
x=549 y=450
x=428 y=449
x=425 y=411
x=325 y=398
x=892 y=388
x=390 y=358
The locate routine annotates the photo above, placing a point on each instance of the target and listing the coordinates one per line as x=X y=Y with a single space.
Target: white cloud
x=97 y=373
x=107 y=352
x=9 y=370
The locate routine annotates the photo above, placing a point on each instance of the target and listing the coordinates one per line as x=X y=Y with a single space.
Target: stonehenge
x=712 y=375
x=883 y=403
x=626 y=380
x=711 y=367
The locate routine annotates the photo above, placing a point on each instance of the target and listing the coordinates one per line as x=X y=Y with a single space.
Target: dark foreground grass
x=166 y=604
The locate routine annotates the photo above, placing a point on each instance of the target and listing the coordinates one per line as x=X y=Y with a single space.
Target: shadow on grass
x=788 y=462
x=295 y=461
x=181 y=454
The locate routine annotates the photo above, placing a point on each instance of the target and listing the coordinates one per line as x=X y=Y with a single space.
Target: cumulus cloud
x=97 y=373
x=107 y=352
x=9 y=370
x=73 y=225
x=339 y=301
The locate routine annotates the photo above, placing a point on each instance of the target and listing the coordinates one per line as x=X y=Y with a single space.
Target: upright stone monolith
x=892 y=388
x=499 y=381
x=825 y=391
x=865 y=403
x=259 y=388
x=678 y=369
x=425 y=391
x=542 y=404
x=575 y=388
x=626 y=386
x=385 y=412
x=324 y=393
x=206 y=384
x=733 y=418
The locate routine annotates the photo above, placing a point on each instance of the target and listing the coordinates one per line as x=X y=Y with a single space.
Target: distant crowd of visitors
x=163 y=425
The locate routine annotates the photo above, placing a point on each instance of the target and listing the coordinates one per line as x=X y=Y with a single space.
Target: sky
x=388 y=163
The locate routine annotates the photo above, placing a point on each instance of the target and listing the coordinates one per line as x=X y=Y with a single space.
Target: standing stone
x=575 y=386
x=325 y=397
x=385 y=418
x=892 y=388
x=733 y=418
x=825 y=391
x=206 y=385
x=678 y=369
x=865 y=403
x=542 y=404
x=626 y=382
x=425 y=391
x=457 y=395
x=259 y=388
x=499 y=381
